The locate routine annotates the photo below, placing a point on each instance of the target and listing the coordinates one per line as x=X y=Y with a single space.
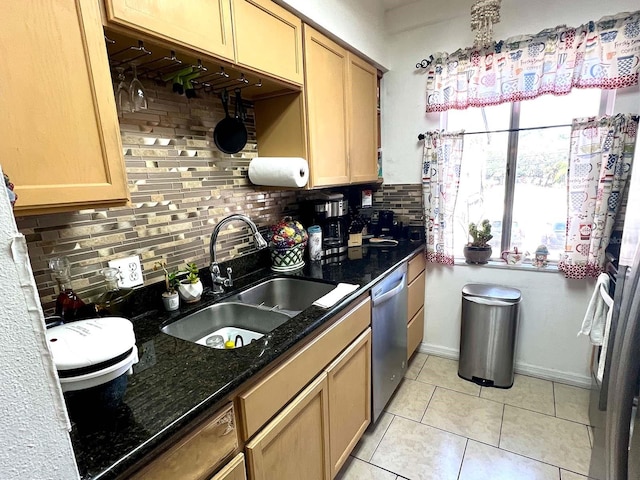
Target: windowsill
x=527 y=267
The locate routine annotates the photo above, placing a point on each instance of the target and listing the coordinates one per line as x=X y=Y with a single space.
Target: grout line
x=501 y=424
x=540 y=461
x=433 y=394
x=553 y=391
x=464 y=452
x=377 y=466
x=546 y=415
x=381 y=437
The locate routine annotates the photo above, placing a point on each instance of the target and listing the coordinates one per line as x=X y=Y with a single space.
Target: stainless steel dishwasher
x=389 y=336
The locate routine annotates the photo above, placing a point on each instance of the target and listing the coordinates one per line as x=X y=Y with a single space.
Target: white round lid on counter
x=86 y=343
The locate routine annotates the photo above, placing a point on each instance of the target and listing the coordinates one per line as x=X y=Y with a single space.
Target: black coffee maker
x=330 y=212
x=386 y=227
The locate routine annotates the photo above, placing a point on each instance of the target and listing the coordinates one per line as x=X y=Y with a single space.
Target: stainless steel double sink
x=249 y=314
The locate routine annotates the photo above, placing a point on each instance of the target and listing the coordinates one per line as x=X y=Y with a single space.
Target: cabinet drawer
x=262 y=401
x=415 y=332
x=416 y=265
x=234 y=470
x=198 y=453
x=416 y=296
x=268 y=38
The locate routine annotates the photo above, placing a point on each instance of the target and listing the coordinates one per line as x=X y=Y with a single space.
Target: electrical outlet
x=147 y=357
x=130 y=271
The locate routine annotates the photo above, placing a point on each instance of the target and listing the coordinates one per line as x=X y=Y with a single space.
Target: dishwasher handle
x=377 y=300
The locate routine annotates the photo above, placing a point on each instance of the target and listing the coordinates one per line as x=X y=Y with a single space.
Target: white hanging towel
x=607 y=327
x=596 y=316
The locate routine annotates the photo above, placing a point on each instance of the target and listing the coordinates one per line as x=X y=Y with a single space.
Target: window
x=517 y=179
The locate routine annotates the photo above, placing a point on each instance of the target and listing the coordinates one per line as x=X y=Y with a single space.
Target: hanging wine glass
x=138 y=96
x=123 y=97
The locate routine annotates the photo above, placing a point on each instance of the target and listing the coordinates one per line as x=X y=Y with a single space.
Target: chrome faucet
x=220 y=282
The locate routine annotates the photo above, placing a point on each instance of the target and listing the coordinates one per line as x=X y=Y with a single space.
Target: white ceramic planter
x=190 y=292
x=171 y=301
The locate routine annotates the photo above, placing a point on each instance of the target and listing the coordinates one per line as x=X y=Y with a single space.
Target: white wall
x=34 y=442
x=552 y=307
x=551 y=313
x=359 y=23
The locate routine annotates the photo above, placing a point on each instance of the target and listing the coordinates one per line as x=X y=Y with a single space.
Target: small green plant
x=192 y=273
x=170 y=278
x=481 y=234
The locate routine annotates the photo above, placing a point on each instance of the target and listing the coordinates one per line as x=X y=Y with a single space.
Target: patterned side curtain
x=599 y=166
x=441 y=160
x=603 y=54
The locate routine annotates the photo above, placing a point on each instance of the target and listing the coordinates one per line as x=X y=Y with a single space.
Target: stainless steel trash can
x=488 y=334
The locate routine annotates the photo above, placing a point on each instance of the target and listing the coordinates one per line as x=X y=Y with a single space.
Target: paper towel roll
x=279 y=171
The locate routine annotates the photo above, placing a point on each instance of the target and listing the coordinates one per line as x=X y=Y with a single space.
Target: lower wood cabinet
x=313 y=436
x=415 y=303
x=415 y=332
x=234 y=470
x=349 y=379
x=295 y=444
x=198 y=453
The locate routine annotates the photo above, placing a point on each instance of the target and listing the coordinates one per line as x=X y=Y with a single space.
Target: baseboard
x=438 y=351
x=544 y=373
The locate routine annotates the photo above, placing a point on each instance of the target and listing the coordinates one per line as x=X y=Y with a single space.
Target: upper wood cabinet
x=61 y=146
x=268 y=38
x=202 y=25
x=326 y=70
x=363 y=121
x=338 y=133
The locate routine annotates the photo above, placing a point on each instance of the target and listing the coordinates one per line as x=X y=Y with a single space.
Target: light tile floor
x=440 y=427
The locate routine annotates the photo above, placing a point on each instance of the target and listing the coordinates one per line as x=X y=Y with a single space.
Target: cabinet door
x=61 y=143
x=268 y=38
x=295 y=444
x=234 y=470
x=326 y=83
x=363 y=121
x=415 y=296
x=203 y=25
x=349 y=383
x=415 y=332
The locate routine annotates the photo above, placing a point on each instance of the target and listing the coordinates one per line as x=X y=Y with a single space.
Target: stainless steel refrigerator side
x=623 y=378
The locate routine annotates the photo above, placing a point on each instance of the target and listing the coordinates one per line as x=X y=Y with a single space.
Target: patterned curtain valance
x=603 y=54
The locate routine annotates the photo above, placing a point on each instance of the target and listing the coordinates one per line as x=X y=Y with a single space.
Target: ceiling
x=389 y=4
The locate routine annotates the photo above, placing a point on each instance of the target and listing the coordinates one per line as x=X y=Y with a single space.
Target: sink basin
x=285 y=295
x=248 y=315
x=228 y=319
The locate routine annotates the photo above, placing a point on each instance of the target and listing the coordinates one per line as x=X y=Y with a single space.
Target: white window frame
x=607 y=103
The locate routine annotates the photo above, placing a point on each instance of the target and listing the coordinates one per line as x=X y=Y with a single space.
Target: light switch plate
x=130 y=271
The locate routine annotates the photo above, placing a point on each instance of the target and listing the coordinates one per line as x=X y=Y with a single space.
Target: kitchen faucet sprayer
x=220 y=282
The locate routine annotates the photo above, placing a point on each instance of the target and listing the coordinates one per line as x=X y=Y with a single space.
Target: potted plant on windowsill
x=170 y=297
x=190 y=289
x=479 y=251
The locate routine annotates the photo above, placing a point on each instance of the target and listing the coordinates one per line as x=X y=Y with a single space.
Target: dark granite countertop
x=183 y=380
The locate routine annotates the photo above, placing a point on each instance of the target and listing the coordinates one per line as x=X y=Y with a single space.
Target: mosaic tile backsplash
x=181 y=185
